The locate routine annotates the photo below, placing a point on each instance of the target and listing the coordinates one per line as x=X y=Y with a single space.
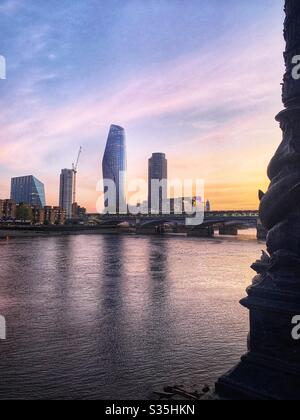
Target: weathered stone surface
x=261 y=231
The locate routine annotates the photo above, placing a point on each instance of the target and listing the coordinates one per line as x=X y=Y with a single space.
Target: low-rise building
x=78 y=213
x=49 y=216
x=38 y=215
x=54 y=216
x=60 y=215
x=8 y=209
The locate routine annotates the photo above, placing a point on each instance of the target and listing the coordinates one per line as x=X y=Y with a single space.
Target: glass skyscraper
x=158 y=171
x=66 y=191
x=114 y=167
x=28 y=190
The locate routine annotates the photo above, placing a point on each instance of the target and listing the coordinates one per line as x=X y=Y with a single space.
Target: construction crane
x=74 y=168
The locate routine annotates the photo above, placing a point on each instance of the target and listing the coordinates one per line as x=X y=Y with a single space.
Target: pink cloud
x=228 y=77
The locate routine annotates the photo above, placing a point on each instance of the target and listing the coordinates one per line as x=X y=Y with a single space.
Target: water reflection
x=113 y=271
x=116 y=317
x=160 y=346
x=158 y=283
x=111 y=338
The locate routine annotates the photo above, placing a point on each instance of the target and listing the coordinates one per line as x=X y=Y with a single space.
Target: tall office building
x=158 y=170
x=66 y=191
x=28 y=190
x=114 y=167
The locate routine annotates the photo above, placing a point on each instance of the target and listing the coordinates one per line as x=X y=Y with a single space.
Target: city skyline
x=114 y=168
x=197 y=94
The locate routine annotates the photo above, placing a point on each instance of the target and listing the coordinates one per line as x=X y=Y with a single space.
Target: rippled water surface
x=116 y=317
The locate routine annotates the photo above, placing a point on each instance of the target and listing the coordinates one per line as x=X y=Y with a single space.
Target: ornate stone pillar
x=271 y=368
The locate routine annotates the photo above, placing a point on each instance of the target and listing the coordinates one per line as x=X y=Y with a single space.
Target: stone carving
x=280 y=205
x=271 y=368
x=262 y=266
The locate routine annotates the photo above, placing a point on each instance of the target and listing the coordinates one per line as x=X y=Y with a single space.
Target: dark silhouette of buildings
x=49 y=216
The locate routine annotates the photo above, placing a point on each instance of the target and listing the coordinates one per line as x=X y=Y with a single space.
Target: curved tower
x=114 y=168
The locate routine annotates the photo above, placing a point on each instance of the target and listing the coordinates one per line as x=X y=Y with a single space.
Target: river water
x=117 y=317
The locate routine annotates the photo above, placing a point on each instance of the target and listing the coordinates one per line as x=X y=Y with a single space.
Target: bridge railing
x=208 y=215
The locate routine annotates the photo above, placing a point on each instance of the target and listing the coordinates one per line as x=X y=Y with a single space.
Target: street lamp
x=271 y=368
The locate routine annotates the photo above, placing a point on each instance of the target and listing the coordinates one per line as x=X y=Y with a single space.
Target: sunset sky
x=198 y=80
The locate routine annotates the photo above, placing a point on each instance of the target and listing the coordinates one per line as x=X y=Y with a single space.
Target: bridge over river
x=228 y=222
